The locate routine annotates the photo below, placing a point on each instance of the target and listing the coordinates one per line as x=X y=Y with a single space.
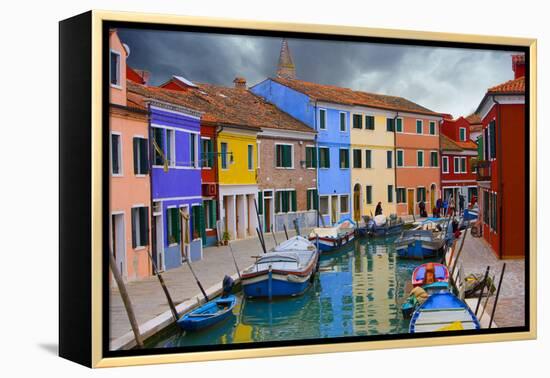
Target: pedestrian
x=461 y=204
x=378 y=210
x=438 y=206
x=422 y=207
x=445 y=206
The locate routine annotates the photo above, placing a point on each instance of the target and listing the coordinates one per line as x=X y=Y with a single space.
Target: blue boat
x=420 y=244
x=412 y=303
x=443 y=311
x=208 y=314
x=332 y=238
x=380 y=226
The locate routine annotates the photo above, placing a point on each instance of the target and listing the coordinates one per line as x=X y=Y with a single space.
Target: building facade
x=501 y=171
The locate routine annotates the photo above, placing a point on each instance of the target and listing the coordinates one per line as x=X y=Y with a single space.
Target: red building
x=458 y=155
x=501 y=169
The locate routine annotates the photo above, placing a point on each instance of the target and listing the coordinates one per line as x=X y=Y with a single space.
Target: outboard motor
x=227 y=285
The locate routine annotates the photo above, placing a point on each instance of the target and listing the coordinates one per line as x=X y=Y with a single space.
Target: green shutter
x=309 y=194
x=293 y=200
x=277 y=202
x=176 y=222
x=285 y=206
x=260 y=202
x=288 y=156
x=315 y=199
x=399 y=125
x=133 y=220
x=136 y=159
x=144 y=225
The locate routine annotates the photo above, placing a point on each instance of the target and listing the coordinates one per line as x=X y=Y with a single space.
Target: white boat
x=331 y=238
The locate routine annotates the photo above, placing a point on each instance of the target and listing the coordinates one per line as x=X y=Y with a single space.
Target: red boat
x=429 y=273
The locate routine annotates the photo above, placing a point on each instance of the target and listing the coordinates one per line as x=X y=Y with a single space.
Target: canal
x=357 y=292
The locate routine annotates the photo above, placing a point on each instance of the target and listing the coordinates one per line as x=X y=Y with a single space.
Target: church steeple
x=285 y=69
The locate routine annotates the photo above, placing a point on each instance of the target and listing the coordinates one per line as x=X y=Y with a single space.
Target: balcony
x=483 y=170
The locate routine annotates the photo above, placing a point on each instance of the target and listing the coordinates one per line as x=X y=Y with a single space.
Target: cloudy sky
x=442 y=79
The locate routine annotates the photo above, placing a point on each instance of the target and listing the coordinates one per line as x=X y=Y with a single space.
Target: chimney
x=518 y=65
x=240 y=82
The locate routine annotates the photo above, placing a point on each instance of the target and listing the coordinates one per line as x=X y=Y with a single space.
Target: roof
x=447 y=144
x=228 y=106
x=346 y=96
x=184 y=81
x=516 y=86
x=473 y=119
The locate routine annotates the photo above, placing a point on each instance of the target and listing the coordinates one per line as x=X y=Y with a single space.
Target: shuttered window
x=369 y=194
x=368 y=159
x=434 y=159
x=390 y=124
x=401 y=195
x=369 y=122
x=223 y=146
x=141 y=161
x=399 y=125
x=399 y=156
x=207 y=153
x=312 y=199
x=420 y=158
x=462 y=132
x=140 y=227
x=357 y=121
x=357 y=158
x=390 y=193
x=250 y=157
x=322 y=119
x=311 y=157
x=344 y=158
x=342 y=121
x=116 y=156
x=419 y=124
x=260 y=202
x=324 y=157
x=389 y=159
x=197 y=222
x=445 y=162
x=432 y=128
x=283 y=155
x=421 y=194
x=492 y=140
x=285 y=201
x=209 y=208
x=174 y=225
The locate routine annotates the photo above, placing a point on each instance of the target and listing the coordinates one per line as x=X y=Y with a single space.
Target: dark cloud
x=442 y=79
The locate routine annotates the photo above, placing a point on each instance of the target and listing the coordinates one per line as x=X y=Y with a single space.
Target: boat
x=443 y=311
x=332 y=238
x=429 y=273
x=420 y=244
x=208 y=314
x=381 y=225
x=419 y=294
x=280 y=273
x=295 y=243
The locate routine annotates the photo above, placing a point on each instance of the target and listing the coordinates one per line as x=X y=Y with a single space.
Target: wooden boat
x=381 y=226
x=332 y=238
x=421 y=274
x=419 y=244
x=443 y=311
x=283 y=273
x=208 y=314
x=413 y=302
x=295 y=243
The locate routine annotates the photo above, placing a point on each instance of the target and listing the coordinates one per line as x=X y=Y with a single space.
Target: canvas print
x=277 y=189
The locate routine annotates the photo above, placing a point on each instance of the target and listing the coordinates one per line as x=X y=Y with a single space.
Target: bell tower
x=285 y=68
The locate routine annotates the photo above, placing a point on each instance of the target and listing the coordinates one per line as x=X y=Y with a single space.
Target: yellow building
x=372 y=161
x=237 y=165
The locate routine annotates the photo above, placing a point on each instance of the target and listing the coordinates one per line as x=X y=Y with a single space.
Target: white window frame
x=345 y=122
x=291 y=155
x=456 y=168
x=421 y=128
x=137 y=231
x=430 y=127
x=392 y=157
x=316 y=157
x=349 y=165
x=120 y=163
x=423 y=158
x=328 y=204
x=460 y=129
x=326 y=118
x=397 y=160
x=463 y=158
x=139 y=156
x=171 y=147
x=340 y=204
x=119 y=69
x=443 y=159
x=248 y=156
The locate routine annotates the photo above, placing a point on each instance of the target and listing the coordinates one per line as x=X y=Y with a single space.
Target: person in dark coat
x=422 y=207
x=378 y=210
x=461 y=203
x=438 y=206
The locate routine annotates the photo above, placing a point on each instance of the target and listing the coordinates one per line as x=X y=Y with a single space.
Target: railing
x=483 y=170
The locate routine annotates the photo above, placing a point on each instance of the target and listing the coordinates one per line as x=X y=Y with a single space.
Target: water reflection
x=356 y=292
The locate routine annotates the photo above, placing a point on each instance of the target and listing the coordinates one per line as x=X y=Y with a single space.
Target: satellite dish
x=127 y=48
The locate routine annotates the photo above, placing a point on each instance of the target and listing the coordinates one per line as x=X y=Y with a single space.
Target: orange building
x=130 y=200
x=417 y=173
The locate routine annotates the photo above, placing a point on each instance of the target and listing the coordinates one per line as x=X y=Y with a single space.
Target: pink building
x=130 y=198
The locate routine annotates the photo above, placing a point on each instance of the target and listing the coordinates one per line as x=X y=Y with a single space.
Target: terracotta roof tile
x=473 y=119
x=447 y=144
x=346 y=96
x=510 y=87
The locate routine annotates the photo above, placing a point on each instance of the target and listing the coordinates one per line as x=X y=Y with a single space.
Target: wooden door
x=410 y=201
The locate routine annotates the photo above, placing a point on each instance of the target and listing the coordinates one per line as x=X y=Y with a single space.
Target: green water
x=357 y=292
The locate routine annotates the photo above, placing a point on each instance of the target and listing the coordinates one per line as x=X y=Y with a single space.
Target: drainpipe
x=499 y=184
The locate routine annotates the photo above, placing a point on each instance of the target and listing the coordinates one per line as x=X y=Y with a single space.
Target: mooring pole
x=485 y=278
x=126 y=300
x=260 y=225
x=286 y=233
x=260 y=238
x=458 y=253
x=184 y=217
x=273 y=234
x=498 y=293
x=164 y=288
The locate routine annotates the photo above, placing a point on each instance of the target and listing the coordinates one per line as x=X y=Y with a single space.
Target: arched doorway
x=432 y=197
x=357 y=202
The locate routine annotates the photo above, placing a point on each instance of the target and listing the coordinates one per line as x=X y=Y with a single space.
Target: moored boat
x=381 y=226
x=443 y=311
x=429 y=273
x=208 y=314
x=419 y=244
x=332 y=238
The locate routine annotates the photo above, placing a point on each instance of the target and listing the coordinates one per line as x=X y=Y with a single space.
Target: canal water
x=357 y=292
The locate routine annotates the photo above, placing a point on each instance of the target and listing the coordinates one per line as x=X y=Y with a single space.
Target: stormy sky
x=442 y=79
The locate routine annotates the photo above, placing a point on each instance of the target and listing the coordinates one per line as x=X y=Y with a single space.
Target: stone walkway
x=475 y=258
x=149 y=300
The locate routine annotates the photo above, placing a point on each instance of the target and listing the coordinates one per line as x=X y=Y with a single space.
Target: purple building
x=176 y=183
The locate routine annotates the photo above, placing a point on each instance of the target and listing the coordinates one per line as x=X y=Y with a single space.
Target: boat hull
x=280 y=286
x=441 y=274
x=202 y=317
x=327 y=244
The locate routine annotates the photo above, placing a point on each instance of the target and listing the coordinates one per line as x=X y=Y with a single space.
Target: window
x=344 y=158
x=389 y=159
x=432 y=128
x=445 y=162
x=311 y=157
x=170 y=147
x=456 y=163
x=420 y=158
x=223 y=147
x=324 y=157
x=250 y=157
x=420 y=194
x=357 y=158
x=485 y=207
x=283 y=155
x=357 y=121
x=322 y=119
x=209 y=207
x=401 y=197
x=368 y=159
x=419 y=125
x=312 y=199
x=462 y=134
x=369 y=122
x=492 y=140
x=140 y=226
x=344 y=204
x=285 y=201
x=114 y=67
x=400 y=157
x=174 y=230
x=141 y=160
x=390 y=193
x=116 y=155
x=463 y=168
x=197 y=222
x=342 y=121
x=158 y=144
x=207 y=152
x=433 y=159
x=323 y=205
x=390 y=124
x=369 y=194
x=493 y=212
x=399 y=125
x=193 y=150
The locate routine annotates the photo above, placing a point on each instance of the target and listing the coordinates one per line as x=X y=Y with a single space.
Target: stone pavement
x=475 y=258
x=149 y=300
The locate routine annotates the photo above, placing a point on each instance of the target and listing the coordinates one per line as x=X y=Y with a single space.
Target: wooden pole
x=286 y=233
x=234 y=260
x=164 y=288
x=459 y=251
x=185 y=259
x=126 y=300
x=485 y=278
x=260 y=238
x=296 y=227
x=273 y=234
x=260 y=225
x=498 y=293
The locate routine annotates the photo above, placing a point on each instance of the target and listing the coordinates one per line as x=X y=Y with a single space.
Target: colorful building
x=458 y=159
x=501 y=171
x=129 y=179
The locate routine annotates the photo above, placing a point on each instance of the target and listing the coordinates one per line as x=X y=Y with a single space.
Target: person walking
x=378 y=210
x=460 y=203
x=445 y=206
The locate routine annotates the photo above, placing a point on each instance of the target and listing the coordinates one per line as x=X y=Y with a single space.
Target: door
x=334 y=209
x=267 y=214
x=410 y=201
x=432 y=197
x=159 y=243
x=357 y=202
x=119 y=243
